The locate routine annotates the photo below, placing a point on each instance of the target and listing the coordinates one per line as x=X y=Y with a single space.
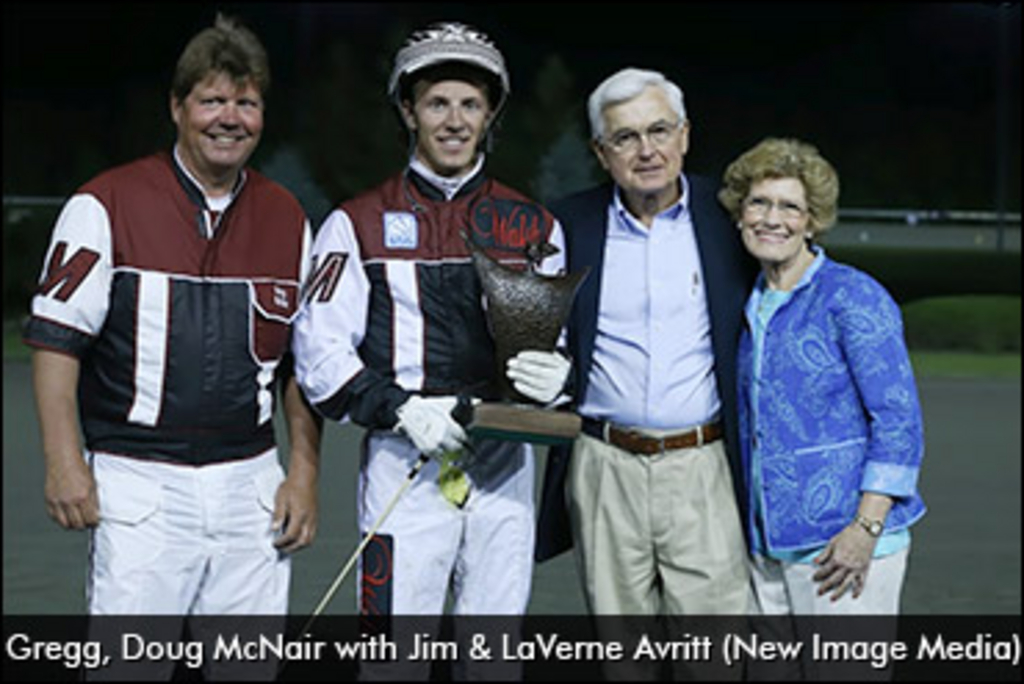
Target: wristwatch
x=873 y=527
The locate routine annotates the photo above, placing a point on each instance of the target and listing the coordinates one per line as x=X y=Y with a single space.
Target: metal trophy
x=525 y=310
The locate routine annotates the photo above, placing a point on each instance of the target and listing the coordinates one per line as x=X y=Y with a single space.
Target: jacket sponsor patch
x=506 y=224
x=400 y=230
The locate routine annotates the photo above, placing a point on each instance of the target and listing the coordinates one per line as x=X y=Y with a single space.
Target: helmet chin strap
x=413 y=139
x=488 y=138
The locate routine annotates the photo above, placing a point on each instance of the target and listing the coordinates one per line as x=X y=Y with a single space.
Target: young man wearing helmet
x=393 y=332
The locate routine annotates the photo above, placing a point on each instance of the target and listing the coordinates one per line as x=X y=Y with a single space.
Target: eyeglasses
x=759 y=207
x=627 y=140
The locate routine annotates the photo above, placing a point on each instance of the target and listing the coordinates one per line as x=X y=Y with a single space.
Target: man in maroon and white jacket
x=161 y=320
x=393 y=330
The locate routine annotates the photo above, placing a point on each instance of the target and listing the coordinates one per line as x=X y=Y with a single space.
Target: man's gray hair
x=625 y=85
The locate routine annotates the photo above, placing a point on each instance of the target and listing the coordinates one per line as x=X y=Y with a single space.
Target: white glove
x=539 y=375
x=428 y=423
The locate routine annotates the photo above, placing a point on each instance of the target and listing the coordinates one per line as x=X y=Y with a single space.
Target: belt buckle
x=700 y=435
x=661 y=445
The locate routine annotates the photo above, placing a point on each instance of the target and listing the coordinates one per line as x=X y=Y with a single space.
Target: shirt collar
x=680 y=209
x=805 y=279
x=449 y=187
x=194 y=188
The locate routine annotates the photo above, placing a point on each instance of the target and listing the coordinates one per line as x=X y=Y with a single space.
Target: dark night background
x=917 y=105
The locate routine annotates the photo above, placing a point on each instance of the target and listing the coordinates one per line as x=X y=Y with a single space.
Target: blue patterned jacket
x=838 y=411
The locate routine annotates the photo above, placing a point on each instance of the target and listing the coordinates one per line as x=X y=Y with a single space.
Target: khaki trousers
x=657 y=534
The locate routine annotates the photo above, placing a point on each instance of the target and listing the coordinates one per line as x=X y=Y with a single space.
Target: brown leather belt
x=636 y=443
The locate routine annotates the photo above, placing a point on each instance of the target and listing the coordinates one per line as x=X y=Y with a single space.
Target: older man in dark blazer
x=646 y=493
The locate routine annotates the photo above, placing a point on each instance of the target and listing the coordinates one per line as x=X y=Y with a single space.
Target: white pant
x=784 y=589
x=184 y=540
x=789 y=588
x=483 y=551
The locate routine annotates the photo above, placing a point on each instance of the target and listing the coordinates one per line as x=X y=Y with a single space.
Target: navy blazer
x=729 y=273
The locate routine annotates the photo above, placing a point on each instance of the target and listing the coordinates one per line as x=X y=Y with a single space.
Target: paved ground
x=965 y=558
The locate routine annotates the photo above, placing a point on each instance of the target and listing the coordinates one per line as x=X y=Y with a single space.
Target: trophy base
x=519 y=423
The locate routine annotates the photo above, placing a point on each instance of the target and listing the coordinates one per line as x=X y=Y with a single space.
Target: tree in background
x=545 y=148
x=346 y=130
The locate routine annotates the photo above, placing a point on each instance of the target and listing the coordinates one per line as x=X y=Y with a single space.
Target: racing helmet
x=450 y=42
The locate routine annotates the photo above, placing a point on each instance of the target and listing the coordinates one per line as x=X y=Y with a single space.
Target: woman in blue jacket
x=830 y=422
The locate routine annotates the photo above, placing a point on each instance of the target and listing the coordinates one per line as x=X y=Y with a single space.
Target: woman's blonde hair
x=784 y=158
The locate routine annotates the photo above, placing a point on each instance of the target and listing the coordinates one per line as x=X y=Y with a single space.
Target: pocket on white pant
x=127 y=498
x=128 y=536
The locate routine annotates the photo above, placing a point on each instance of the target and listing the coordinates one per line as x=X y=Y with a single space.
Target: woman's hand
x=845 y=562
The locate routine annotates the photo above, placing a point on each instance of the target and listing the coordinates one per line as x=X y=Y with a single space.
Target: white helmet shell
x=448 y=42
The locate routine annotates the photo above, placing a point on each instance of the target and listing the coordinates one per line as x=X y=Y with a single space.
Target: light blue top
x=652 y=363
